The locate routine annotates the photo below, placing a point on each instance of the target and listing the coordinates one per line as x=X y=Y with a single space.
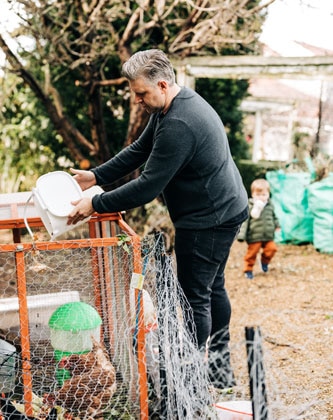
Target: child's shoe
x=264 y=267
x=249 y=275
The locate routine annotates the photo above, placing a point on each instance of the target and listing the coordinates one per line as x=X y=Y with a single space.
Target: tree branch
x=66 y=129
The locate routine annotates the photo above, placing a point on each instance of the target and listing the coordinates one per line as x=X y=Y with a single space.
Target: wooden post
x=256 y=147
x=24 y=328
x=184 y=79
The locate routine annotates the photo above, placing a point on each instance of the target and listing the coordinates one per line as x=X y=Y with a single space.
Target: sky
x=6 y=16
x=293 y=20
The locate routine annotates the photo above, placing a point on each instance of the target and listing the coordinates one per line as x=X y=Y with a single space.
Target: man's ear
x=163 y=85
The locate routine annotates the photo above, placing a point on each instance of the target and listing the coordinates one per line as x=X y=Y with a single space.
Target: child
x=258 y=230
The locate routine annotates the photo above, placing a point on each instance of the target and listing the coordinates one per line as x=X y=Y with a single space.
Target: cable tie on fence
x=137 y=281
x=138 y=278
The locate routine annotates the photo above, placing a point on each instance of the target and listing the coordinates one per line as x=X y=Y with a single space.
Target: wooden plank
x=244 y=67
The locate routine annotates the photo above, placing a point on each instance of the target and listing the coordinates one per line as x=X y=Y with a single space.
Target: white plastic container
x=40 y=308
x=53 y=195
x=234 y=410
x=7 y=367
x=257 y=208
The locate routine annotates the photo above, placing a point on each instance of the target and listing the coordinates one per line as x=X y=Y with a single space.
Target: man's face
x=151 y=97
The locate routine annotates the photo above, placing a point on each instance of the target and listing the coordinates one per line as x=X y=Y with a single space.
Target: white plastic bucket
x=234 y=410
x=52 y=198
x=7 y=367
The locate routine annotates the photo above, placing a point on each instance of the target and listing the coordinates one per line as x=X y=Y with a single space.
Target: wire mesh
x=44 y=276
x=133 y=287
x=98 y=276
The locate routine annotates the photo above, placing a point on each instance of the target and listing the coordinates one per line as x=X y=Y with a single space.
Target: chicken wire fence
x=97 y=331
x=97 y=278
x=89 y=339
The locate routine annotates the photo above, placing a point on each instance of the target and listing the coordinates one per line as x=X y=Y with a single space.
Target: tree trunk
x=137 y=121
x=97 y=130
x=138 y=116
x=71 y=135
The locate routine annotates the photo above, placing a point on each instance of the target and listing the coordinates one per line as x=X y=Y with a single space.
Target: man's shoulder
x=184 y=90
x=186 y=93
x=194 y=102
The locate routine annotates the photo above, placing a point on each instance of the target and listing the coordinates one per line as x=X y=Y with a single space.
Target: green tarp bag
x=321 y=205
x=289 y=195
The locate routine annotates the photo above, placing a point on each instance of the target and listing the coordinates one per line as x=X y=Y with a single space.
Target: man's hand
x=83 y=209
x=85 y=179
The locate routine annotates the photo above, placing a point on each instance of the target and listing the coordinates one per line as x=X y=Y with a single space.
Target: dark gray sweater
x=187 y=159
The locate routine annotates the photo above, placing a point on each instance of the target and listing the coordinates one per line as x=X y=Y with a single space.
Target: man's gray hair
x=152 y=65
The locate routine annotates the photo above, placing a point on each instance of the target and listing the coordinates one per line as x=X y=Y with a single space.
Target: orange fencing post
x=105 y=280
x=96 y=275
x=105 y=269
x=24 y=328
x=141 y=339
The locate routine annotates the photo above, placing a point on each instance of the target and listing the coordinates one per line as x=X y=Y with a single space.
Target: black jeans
x=201 y=259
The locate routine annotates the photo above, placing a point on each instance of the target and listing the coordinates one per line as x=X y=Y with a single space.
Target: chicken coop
x=96 y=267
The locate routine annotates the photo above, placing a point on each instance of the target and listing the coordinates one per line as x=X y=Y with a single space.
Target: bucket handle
x=25 y=218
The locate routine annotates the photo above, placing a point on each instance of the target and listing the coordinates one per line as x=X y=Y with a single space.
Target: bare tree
x=85 y=37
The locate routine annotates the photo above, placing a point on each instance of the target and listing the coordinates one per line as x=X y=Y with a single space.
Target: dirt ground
x=292 y=305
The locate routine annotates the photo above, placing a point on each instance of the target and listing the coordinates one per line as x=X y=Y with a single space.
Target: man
x=187 y=159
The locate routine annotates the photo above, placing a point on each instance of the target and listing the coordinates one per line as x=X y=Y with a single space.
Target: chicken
x=92 y=383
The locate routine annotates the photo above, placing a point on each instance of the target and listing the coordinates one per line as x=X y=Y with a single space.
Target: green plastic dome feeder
x=71 y=327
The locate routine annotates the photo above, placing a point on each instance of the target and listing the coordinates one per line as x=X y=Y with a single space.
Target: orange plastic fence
x=102 y=234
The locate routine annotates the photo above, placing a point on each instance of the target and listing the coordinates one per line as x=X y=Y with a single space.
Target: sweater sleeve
x=127 y=160
x=167 y=156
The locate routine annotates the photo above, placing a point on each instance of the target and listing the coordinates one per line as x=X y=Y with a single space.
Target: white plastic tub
x=53 y=195
x=40 y=309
